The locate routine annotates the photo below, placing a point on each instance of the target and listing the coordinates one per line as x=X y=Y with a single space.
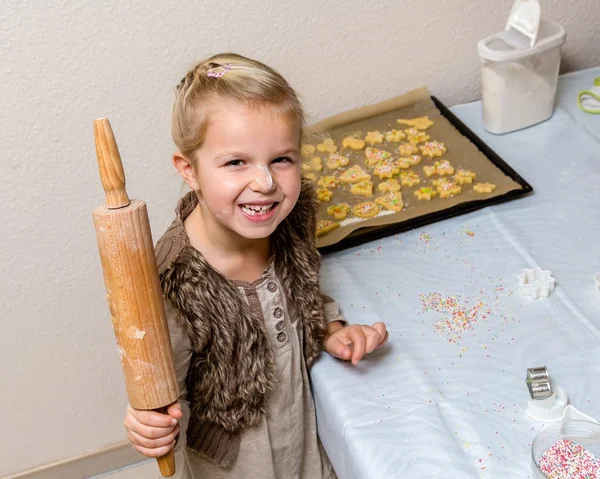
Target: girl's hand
x=152 y=433
x=354 y=341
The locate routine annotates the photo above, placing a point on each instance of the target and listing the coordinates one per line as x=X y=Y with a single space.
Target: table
x=447 y=398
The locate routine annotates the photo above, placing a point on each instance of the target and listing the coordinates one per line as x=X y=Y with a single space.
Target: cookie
x=328 y=146
x=307 y=150
x=314 y=164
x=367 y=209
x=463 y=177
x=407 y=149
x=323 y=194
x=433 y=148
x=339 y=211
x=405 y=162
x=395 y=136
x=364 y=188
x=439 y=168
x=425 y=193
x=374 y=138
x=389 y=186
x=374 y=155
x=484 y=187
x=421 y=123
x=336 y=161
x=386 y=169
x=310 y=177
x=416 y=136
x=446 y=188
x=326 y=226
x=391 y=201
x=409 y=178
x=353 y=143
x=354 y=174
x=328 y=181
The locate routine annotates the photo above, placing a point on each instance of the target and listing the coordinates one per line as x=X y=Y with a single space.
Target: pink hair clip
x=219 y=71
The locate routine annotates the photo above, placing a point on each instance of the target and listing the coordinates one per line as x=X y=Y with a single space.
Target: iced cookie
x=328 y=181
x=446 y=188
x=328 y=146
x=409 y=178
x=425 y=193
x=416 y=136
x=326 y=226
x=386 y=169
x=374 y=138
x=366 y=210
x=375 y=155
x=408 y=149
x=389 y=186
x=308 y=150
x=364 y=188
x=314 y=164
x=354 y=174
x=336 y=161
x=421 y=123
x=439 y=168
x=353 y=143
x=339 y=212
x=463 y=177
x=406 y=162
x=395 y=136
x=323 y=194
x=432 y=148
x=391 y=201
x=484 y=187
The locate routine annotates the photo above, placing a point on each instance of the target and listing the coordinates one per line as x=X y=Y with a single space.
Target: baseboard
x=104 y=460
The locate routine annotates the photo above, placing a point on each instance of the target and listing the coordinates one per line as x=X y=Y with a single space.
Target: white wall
x=61 y=66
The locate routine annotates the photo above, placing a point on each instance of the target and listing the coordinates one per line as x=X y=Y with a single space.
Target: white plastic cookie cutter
x=536 y=282
x=589 y=100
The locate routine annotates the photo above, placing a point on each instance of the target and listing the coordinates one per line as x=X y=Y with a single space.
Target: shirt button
x=279 y=326
x=278 y=313
x=281 y=337
x=272 y=287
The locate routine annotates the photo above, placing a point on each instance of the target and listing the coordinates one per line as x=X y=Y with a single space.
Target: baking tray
x=365 y=235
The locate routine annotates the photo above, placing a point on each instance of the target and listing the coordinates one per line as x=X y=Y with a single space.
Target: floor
x=142 y=470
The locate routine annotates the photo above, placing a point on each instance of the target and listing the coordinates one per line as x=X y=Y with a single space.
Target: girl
x=240 y=276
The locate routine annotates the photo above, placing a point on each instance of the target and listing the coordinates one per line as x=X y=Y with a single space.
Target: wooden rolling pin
x=133 y=289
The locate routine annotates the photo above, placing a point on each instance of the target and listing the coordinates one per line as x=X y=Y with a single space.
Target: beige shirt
x=284 y=445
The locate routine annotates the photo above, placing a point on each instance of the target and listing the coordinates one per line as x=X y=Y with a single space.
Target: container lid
x=525 y=18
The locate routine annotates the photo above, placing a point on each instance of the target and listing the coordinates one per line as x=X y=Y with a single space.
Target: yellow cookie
x=375 y=155
x=364 y=188
x=391 y=201
x=416 y=136
x=425 y=193
x=307 y=150
x=409 y=178
x=405 y=162
x=386 y=169
x=354 y=143
x=328 y=146
x=367 y=209
x=323 y=194
x=389 y=186
x=446 y=188
x=339 y=212
x=374 y=138
x=433 y=148
x=354 y=175
x=326 y=226
x=328 y=181
x=336 y=161
x=314 y=164
x=484 y=187
x=439 y=168
x=421 y=123
x=408 y=149
x=463 y=177
x=395 y=136
x=310 y=177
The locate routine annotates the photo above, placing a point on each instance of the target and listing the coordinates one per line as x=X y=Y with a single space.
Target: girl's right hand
x=152 y=433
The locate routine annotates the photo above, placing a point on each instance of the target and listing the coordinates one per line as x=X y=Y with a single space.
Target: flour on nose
x=268 y=178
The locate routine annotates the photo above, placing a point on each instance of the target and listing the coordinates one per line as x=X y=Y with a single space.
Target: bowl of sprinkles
x=567 y=450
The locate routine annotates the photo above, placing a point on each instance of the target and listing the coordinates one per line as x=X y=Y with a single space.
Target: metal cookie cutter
x=536 y=282
x=538 y=383
x=544 y=405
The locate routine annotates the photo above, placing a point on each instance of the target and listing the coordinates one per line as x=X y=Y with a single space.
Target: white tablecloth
x=447 y=399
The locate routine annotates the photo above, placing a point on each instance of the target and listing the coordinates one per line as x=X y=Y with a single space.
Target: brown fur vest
x=232 y=368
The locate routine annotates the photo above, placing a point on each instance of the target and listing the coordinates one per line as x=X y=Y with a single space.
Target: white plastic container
x=519 y=70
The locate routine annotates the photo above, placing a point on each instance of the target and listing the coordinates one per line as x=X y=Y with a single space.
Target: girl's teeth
x=254 y=210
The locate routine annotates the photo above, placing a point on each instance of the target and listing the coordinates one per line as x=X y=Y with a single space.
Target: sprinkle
x=568 y=460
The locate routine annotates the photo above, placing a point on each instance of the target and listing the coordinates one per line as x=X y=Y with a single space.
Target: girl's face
x=248 y=169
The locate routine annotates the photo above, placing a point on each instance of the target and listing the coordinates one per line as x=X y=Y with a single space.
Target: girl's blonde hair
x=233 y=77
